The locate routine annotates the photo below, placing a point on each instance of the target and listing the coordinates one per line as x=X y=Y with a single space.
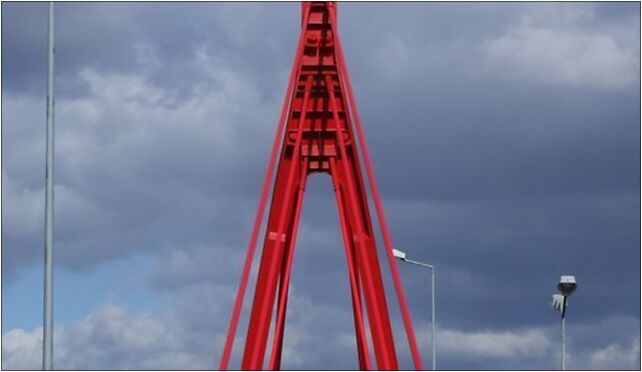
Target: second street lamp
x=402 y=256
x=566 y=287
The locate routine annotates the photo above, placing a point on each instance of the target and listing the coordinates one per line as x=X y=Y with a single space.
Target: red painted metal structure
x=316 y=133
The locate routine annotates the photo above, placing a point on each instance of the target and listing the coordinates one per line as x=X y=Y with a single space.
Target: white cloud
x=562 y=56
x=191 y=333
x=108 y=338
x=538 y=347
x=22 y=349
x=189 y=336
x=615 y=356
x=530 y=343
x=494 y=348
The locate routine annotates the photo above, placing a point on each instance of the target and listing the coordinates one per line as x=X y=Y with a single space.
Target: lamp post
x=566 y=287
x=402 y=257
x=47 y=329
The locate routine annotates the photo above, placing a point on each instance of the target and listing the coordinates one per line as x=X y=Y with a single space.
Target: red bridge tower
x=316 y=133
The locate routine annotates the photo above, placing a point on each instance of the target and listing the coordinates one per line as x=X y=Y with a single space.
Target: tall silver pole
x=434 y=338
x=563 y=343
x=47 y=340
x=566 y=287
x=434 y=323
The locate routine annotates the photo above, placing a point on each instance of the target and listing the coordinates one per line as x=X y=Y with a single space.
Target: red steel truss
x=316 y=133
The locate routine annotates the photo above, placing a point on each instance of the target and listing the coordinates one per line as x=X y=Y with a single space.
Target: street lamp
x=402 y=256
x=566 y=287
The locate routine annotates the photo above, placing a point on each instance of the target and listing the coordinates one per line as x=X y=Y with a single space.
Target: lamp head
x=399 y=254
x=567 y=285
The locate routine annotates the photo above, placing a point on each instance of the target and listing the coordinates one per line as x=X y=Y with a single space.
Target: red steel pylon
x=316 y=133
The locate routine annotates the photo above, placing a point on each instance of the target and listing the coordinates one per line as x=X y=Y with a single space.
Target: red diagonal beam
x=343 y=73
x=275 y=359
x=278 y=138
x=382 y=339
x=264 y=296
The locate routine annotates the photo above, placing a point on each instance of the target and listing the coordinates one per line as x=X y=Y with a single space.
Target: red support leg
x=362 y=342
x=367 y=259
x=280 y=214
x=401 y=297
x=240 y=295
x=275 y=359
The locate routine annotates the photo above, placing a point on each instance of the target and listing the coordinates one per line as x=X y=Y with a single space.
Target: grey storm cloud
x=505 y=139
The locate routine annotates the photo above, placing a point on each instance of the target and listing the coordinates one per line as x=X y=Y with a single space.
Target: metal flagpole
x=47 y=340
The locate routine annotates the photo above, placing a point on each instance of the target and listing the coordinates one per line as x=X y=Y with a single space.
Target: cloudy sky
x=505 y=138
